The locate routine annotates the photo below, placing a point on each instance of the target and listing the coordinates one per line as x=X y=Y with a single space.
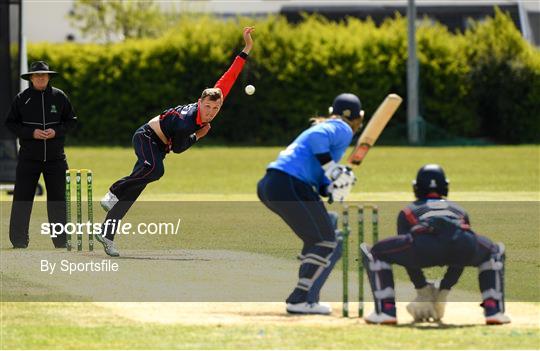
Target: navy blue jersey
x=181 y=117
x=421 y=210
x=298 y=160
x=179 y=125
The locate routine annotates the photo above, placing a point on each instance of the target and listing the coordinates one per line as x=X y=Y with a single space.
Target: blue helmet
x=347 y=105
x=430 y=179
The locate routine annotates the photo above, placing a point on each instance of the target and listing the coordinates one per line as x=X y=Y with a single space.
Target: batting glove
x=342 y=180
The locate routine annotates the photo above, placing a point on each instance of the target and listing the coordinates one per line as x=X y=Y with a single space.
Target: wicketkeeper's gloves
x=422 y=309
x=440 y=302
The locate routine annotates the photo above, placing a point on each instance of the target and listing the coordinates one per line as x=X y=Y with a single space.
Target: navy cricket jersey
x=421 y=210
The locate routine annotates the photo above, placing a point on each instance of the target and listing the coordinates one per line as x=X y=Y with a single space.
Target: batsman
x=433 y=231
x=292 y=188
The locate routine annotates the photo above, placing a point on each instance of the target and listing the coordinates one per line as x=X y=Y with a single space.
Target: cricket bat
x=376 y=124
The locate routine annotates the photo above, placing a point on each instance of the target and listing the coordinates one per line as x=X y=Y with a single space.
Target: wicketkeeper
x=176 y=129
x=307 y=169
x=433 y=231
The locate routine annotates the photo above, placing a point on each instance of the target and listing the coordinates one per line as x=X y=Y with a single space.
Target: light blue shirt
x=298 y=159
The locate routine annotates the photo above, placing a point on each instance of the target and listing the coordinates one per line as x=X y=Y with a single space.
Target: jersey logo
x=439 y=213
x=437 y=204
x=53 y=109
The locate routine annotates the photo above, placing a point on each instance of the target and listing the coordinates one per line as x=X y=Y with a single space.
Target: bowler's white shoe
x=498 y=318
x=108 y=245
x=380 y=318
x=309 y=308
x=108 y=201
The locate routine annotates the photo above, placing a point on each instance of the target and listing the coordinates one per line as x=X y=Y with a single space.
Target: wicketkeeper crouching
x=433 y=231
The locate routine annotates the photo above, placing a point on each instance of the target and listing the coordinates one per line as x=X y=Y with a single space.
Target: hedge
x=482 y=83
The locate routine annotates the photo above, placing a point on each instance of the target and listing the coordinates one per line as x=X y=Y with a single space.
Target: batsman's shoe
x=380 y=318
x=497 y=319
x=108 y=201
x=309 y=308
x=108 y=246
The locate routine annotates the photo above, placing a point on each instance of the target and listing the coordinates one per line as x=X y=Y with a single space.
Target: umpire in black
x=40 y=117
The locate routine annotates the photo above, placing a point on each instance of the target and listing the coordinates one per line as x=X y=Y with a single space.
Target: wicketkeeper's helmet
x=347 y=105
x=430 y=179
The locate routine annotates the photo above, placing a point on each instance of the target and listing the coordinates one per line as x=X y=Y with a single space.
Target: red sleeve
x=227 y=80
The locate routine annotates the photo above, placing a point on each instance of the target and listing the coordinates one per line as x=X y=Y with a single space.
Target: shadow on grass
x=157 y=258
x=436 y=326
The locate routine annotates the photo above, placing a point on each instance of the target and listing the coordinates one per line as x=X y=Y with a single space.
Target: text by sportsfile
x=118 y=226
x=74 y=267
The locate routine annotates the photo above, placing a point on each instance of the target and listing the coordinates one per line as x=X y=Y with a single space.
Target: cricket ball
x=249 y=89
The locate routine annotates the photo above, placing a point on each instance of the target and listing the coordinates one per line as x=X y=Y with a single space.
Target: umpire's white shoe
x=108 y=201
x=108 y=245
x=497 y=319
x=309 y=308
x=380 y=318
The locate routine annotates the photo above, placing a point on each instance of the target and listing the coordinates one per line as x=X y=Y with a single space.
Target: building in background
x=453 y=14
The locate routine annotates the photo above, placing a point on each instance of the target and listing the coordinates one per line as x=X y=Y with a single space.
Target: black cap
x=38 y=67
x=347 y=105
x=430 y=179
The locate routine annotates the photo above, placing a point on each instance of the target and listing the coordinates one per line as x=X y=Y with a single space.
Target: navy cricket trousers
x=298 y=205
x=150 y=152
x=415 y=251
x=302 y=209
x=462 y=248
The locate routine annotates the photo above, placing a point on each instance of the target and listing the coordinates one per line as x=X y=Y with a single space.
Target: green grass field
x=212 y=189
x=222 y=170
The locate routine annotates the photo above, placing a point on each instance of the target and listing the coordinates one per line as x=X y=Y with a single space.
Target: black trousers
x=27 y=177
x=456 y=250
x=298 y=205
x=302 y=209
x=150 y=152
